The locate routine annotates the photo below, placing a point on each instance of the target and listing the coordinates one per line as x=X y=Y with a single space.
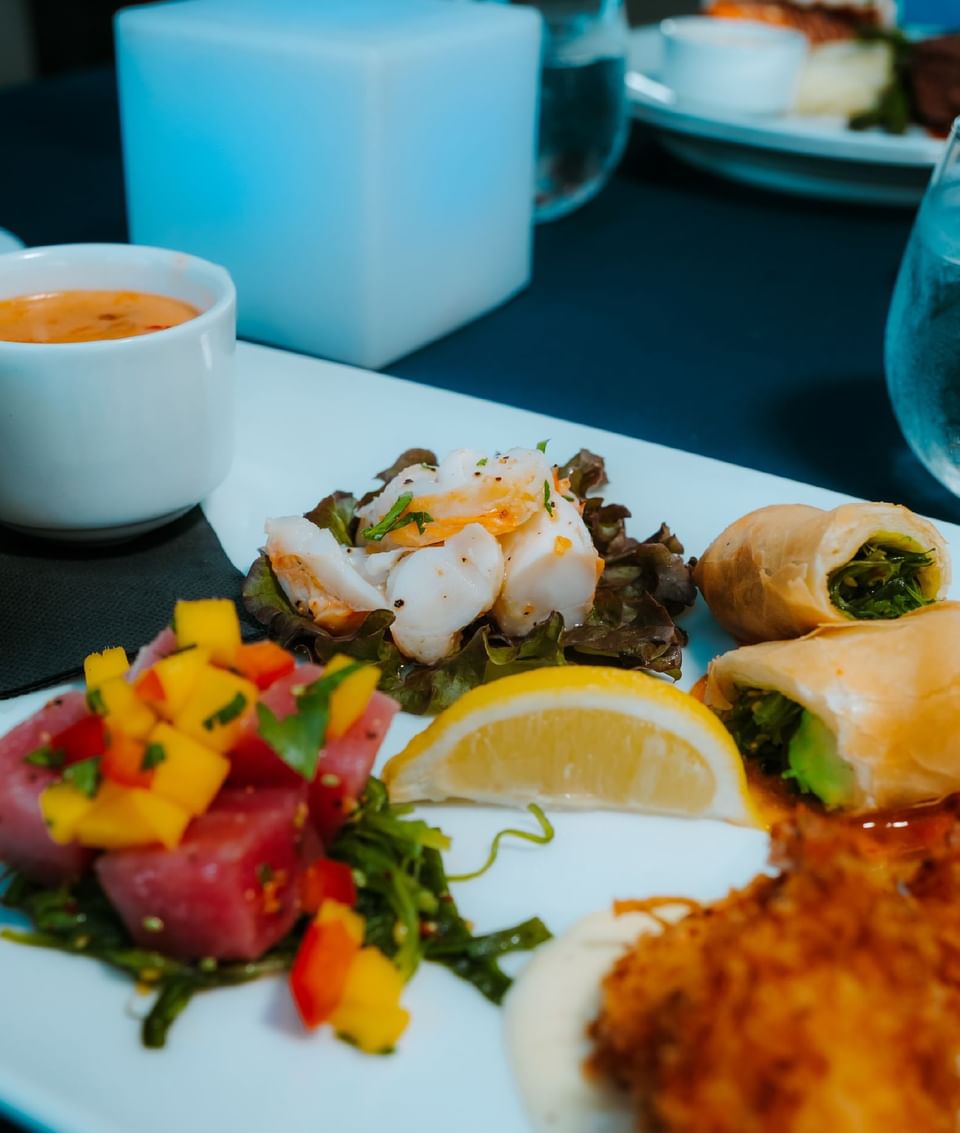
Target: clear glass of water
x=584 y=119
x=923 y=327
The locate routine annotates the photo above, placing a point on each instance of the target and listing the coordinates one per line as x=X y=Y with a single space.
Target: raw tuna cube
x=162 y=645
x=229 y=890
x=344 y=765
x=24 y=841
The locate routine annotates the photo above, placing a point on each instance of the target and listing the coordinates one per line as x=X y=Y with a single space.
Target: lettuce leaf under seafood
x=644 y=586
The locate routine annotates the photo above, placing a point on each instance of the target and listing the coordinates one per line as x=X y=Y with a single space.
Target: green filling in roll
x=788 y=741
x=880 y=581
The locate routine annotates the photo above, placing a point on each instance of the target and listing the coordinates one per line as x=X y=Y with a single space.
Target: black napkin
x=61 y=601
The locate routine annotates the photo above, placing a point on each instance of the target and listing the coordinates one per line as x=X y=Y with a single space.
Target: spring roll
x=784 y=570
x=863 y=716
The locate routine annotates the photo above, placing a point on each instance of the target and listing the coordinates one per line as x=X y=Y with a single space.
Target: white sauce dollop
x=547 y=1011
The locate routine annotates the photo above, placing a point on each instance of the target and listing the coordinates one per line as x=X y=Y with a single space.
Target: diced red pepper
x=319 y=972
x=263 y=662
x=122 y=761
x=326 y=879
x=150 y=687
x=85 y=738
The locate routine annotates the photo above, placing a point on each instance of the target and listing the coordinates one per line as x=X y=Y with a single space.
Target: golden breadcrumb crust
x=826 y=998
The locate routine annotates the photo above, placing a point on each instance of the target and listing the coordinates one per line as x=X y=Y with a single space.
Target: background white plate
x=810 y=156
x=237 y=1060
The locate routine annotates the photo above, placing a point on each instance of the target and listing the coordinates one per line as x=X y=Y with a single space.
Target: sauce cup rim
x=220 y=278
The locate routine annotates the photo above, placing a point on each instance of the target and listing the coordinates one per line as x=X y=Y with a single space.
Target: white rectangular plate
x=238 y=1060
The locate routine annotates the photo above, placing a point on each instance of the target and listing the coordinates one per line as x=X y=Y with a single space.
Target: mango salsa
x=349 y=701
x=129 y=816
x=188 y=774
x=216 y=707
x=118 y=702
x=369 y=1011
x=169 y=681
x=62 y=807
x=100 y=667
x=210 y=623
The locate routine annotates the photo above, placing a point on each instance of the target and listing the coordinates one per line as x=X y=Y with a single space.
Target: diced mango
x=190 y=774
x=375 y=1030
x=211 y=623
x=373 y=980
x=62 y=807
x=118 y=702
x=349 y=701
x=369 y=1012
x=100 y=667
x=176 y=675
x=352 y=921
x=129 y=816
x=216 y=707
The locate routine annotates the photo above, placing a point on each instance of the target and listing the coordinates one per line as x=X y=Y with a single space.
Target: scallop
x=318 y=574
x=436 y=591
x=550 y=563
x=498 y=492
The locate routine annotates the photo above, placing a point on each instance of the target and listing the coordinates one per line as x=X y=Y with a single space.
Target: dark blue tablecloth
x=676 y=307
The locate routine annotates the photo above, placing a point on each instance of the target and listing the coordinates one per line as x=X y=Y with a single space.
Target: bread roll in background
x=889 y=691
x=765 y=578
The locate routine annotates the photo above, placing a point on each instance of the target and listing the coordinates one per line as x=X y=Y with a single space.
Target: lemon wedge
x=578 y=736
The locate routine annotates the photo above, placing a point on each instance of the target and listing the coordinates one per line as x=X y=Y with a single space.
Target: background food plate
x=70 y=1059
x=809 y=156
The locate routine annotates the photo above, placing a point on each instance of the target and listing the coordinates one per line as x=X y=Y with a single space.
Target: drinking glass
x=584 y=118
x=923 y=327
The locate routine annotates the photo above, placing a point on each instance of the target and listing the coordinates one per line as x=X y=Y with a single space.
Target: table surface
x=675 y=308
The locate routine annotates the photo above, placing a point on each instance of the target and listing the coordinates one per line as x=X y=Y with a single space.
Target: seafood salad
x=443 y=544
x=460 y=570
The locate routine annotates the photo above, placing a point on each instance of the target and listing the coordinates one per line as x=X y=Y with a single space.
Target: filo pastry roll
x=779 y=572
x=882 y=701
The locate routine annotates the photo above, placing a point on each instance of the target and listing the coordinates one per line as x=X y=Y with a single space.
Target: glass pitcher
x=922 y=352
x=584 y=119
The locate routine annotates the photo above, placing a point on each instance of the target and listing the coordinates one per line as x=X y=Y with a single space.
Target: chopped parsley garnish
x=397 y=517
x=542 y=445
x=230 y=711
x=46 y=756
x=152 y=924
x=880 y=581
x=299 y=737
x=547 y=502
x=482 y=461
x=153 y=757
x=84 y=776
x=96 y=703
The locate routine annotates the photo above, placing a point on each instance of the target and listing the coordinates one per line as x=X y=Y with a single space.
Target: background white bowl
x=103 y=440
x=742 y=66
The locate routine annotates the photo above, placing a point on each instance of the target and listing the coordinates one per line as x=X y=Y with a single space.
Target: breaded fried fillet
x=823 y=999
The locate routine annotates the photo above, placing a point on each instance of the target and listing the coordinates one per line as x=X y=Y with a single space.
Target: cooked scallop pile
x=441 y=546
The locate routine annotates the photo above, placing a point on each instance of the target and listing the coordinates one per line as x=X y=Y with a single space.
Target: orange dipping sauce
x=89 y=316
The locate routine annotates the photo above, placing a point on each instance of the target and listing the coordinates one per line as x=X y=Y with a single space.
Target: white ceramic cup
x=740 y=66
x=104 y=440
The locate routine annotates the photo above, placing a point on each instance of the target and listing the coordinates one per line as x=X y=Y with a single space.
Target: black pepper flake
x=398 y=604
